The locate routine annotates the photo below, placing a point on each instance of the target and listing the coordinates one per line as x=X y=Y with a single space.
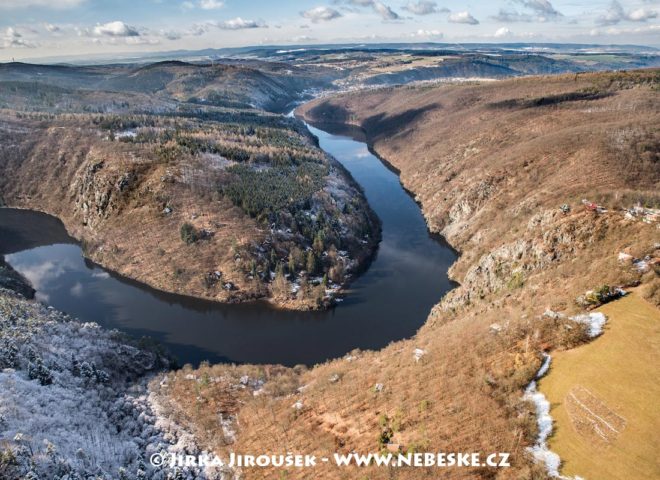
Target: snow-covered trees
x=8 y=354
x=74 y=401
x=38 y=371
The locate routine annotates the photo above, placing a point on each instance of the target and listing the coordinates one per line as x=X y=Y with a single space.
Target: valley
x=546 y=186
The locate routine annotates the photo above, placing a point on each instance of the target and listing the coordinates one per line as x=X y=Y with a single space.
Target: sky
x=49 y=28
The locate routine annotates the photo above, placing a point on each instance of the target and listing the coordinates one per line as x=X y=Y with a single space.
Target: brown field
x=604 y=397
x=490 y=164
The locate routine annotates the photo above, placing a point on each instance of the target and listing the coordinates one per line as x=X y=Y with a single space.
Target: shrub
x=516 y=281
x=189 y=234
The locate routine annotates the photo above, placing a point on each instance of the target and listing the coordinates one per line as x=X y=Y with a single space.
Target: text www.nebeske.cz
x=452 y=459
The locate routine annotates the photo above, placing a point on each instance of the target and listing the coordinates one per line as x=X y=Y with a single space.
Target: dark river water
x=388 y=302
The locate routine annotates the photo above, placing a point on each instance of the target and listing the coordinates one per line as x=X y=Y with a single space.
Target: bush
x=651 y=290
x=189 y=234
x=516 y=281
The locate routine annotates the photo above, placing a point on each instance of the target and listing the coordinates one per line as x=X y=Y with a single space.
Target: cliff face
x=500 y=169
x=172 y=202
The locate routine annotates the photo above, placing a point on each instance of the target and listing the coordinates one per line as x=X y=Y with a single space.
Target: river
x=388 y=302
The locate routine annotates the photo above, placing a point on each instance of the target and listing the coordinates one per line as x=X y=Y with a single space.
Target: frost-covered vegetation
x=74 y=402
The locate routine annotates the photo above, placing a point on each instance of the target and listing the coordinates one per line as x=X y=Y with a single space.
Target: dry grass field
x=604 y=397
x=491 y=165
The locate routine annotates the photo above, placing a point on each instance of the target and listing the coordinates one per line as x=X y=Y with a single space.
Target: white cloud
x=503 y=32
x=321 y=14
x=615 y=14
x=238 y=24
x=423 y=7
x=641 y=15
x=52 y=28
x=361 y=3
x=385 y=12
x=302 y=38
x=115 y=29
x=13 y=39
x=170 y=34
x=54 y=4
x=427 y=34
x=198 y=29
x=540 y=7
x=508 y=16
x=646 y=30
x=203 y=4
x=210 y=4
x=141 y=40
x=541 y=11
x=463 y=17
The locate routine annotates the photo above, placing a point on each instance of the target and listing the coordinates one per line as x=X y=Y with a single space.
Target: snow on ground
x=595 y=321
x=74 y=400
x=540 y=450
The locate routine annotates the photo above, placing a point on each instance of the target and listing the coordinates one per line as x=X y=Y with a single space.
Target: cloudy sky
x=47 y=28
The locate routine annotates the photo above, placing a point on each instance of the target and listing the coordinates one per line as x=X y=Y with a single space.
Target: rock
x=12 y=280
x=418 y=354
x=378 y=387
x=625 y=257
x=495 y=328
x=553 y=315
x=642 y=265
